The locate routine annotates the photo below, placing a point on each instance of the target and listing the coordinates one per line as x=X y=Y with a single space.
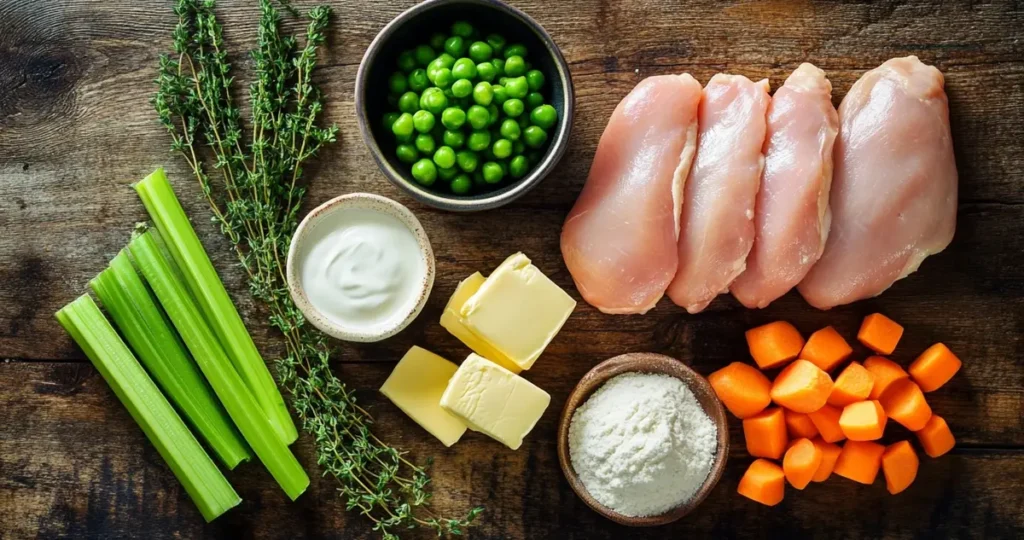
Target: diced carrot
x=765 y=434
x=885 y=372
x=863 y=421
x=899 y=464
x=829 y=455
x=801 y=462
x=774 y=344
x=826 y=349
x=826 y=420
x=935 y=367
x=904 y=402
x=799 y=425
x=935 y=437
x=859 y=461
x=852 y=385
x=743 y=389
x=764 y=482
x=802 y=387
x=880 y=333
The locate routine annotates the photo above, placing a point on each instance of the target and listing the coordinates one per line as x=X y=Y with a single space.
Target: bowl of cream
x=360 y=267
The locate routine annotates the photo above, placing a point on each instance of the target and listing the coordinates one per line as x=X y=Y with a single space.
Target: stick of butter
x=451 y=319
x=416 y=385
x=494 y=401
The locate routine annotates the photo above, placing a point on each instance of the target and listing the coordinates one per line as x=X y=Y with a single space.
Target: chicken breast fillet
x=619 y=240
x=792 y=215
x=718 y=206
x=894 y=195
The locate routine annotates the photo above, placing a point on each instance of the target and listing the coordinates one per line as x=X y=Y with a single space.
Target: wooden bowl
x=645 y=363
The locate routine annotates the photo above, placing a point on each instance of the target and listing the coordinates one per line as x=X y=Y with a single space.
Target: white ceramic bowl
x=365 y=201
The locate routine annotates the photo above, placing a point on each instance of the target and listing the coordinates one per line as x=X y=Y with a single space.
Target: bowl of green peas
x=464 y=104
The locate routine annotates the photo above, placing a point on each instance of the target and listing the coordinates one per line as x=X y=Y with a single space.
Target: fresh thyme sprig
x=254 y=190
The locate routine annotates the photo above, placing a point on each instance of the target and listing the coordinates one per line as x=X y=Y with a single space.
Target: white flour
x=642 y=444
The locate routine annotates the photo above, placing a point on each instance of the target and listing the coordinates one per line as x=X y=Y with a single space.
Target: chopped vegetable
x=799 y=426
x=899 y=465
x=801 y=387
x=158 y=346
x=904 y=402
x=826 y=420
x=215 y=365
x=829 y=455
x=935 y=437
x=742 y=388
x=885 y=372
x=853 y=384
x=880 y=333
x=774 y=344
x=935 y=367
x=859 y=461
x=801 y=463
x=826 y=349
x=198 y=474
x=765 y=434
x=764 y=482
x=863 y=421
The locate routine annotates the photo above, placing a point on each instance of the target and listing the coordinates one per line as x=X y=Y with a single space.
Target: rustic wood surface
x=76 y=128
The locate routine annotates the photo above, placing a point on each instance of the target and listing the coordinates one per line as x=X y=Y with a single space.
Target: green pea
x=467 y=160
x=492 y=172
x=424 y=54
x=406 y=153
x=407 y=61
x=503 y=80
x=464 y=68
x=518 y=147
x=533 y=99
x=517 y=87
x=486 y=71
x=425 y=143
x=513 y=107
x=480 y=51
x=515 y=66
x=478 y=117
x=434 y=65
x=403 y=125
x=510 y=129
x=462 y=29
x=447 y=174
x=535 y=79
x=496 y=42
x=449 y=94
x=500 y=94
x=444 y=157
x=446 y=60
x=409 y=102
x=517 y=49
x=535 y=136
x=397 y=83
x=424 y=171
x=518 y=166
x=389 y=119
x=461 y=184
x=455 y=46
x=423 y=121
x=482 y=93
x=455 y=139
x=433 y=100
x=443 y=78
x=462 y=88
x=437 y=41
x=502 y=148
x=453 y=118
x=494 y=114
x=478 y=141
x=499 y=66
x=418 y=80
x=404 y=139
x=544 y=116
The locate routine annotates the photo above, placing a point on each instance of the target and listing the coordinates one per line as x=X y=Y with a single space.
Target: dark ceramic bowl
x=414 y=27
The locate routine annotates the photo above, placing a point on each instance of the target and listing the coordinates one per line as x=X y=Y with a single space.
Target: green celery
x=209 y=292
x=216 y=366
x=146 y=328
x=207 y=486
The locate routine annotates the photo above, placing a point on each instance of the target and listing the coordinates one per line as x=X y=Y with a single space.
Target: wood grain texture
x=76 y=129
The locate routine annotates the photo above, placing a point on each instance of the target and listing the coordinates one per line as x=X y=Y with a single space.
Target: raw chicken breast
x=894 y=193
x=619 y=240
x=718 y=208
x=792 y=216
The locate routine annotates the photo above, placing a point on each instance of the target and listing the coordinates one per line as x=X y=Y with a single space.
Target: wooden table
x=76 y=128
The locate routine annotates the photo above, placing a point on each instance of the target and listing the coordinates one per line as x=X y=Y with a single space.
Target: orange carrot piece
x=829 y=455
x=765 y=434
x=904 y=402
x=899 y=465
x=880 y=333
x=852 y=385
x=764 y=482
x=935 y=367
x=826 y=349
x=801 y=462
x=743 y=389
x=799 y=426
x=885 y=372
x=802 y=387
x=863 y=421
x=859 y=461
x=774 y=344
x=935 y=437
x=826 y=420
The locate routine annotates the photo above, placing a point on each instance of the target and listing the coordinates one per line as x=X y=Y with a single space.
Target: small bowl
x=365 y=201
x=413 y=27
x=644 y=363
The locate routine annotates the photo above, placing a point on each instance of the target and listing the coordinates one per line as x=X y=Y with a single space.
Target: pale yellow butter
x=494 y=401
x=451 y=320
x=416 y=386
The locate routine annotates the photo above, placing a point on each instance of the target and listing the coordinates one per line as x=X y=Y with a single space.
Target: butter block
x=451 y=320
x=494 y=401
x=416 y=386
x=517 y=310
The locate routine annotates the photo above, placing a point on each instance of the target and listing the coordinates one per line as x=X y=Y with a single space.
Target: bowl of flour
x=643 y=439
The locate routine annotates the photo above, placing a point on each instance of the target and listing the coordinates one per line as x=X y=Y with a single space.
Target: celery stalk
x=135 y=312
x=216 y=366
x=203 y=482
x=209 y=292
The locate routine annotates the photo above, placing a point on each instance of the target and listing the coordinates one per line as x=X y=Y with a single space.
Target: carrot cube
x=765 y=434
x=863 y=421
x=853 y=384
x=826 y=349
x=899 y=465
x=935 y=437
x=743 y=389
x=802 y=387
x=904 y=402
x=935 y=367
x=826 y=420
x=764 y=482
x=880 y=333
x=859 y=461
x=829 y=455
x=801 y=463
x=774 y=344
x=799 y=426
x=885 y=372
